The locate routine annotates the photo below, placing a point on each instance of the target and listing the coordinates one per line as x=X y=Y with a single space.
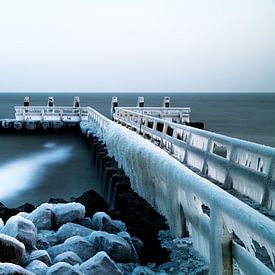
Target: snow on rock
x=41 y=255
x=103 y=222
x=37 y=267
x=68 y=257
x=11 y=250
x=42 y=216
x=46 y=239
x=115 y=246
x=101 y=263
x=143 y=270
x=21 y=229
x=56 y=250
x=126 y=236
x=81 y=246
x=1 y=224
x=72 y=229
x=63 y=268
x=13 y=269
x=68 y=212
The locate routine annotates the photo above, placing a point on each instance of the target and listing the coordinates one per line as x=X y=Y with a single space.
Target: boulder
x=56 y=250
x=126 y=236
x=11 y=250
x=101 y=263
x=87 y=222
x=68 y=212
x=42 y=216
x=6 y=213
x=93 y=202
x=81 y=246
x=143 y=270
x=116 y=247
x=13 y=269
x=68 y=257
x=21 y=229
x=46 y=239
x=63 y=268
x=27 y=207
x=40 y=255
x=1 y=224
x=72 y=229
x=37 y=267
x=103 y=222
x=138 y=243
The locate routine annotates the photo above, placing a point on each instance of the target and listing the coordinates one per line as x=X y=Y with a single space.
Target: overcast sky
x=137 y=45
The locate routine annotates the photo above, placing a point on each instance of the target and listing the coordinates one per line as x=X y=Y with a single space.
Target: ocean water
x=34 y=168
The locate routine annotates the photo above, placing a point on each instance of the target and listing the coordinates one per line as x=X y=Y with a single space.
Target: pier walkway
x=156 y=150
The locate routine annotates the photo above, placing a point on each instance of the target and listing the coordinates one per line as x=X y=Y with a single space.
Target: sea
x=34 y=168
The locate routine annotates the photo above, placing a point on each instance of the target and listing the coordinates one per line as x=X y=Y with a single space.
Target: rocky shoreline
x=83 y=237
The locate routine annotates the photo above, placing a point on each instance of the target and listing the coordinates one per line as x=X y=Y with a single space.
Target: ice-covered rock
x=41 y=255
x=56 y=250
x=46 y=239
x=72 y=229
x=1 y=224
x=42 y=216
x=101 y=263
x=68 y=212
x=23 y=215
x=37 y=267
x=126 y=236
x=103 y=222
x=21 y=229
x=116 y=247
x=11 y=250
x=81 y=246
x=138 y=243
x=63 y=268
x=143 y=270
x=13 y=269
x=87 y=222
x=68 y=257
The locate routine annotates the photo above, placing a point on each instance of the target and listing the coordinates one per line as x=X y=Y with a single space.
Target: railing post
x=265 y=200
x=220 y=244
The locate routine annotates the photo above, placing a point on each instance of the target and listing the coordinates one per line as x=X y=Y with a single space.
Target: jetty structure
x=217 y=189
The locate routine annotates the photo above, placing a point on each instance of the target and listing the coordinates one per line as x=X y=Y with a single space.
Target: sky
x=137 y=45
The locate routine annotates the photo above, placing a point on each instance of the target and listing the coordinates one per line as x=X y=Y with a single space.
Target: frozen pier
x=156 y=149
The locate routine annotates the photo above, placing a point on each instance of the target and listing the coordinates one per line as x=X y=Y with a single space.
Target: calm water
x=35 y=167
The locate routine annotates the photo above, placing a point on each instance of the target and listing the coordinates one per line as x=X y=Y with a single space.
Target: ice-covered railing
x=175 y=114
x=244 y=166
x=182 y=196
x=45 y=113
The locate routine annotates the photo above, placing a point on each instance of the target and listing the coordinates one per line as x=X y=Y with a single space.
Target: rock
x=21 y=229
x=1 y=224
x=27 y=207
x=81 y=246
x=56 y=250
x=63 y=268
x=138 y=243
x=23 y=215
x=68 y=257
x=93 y=202
x=37 y=267
x=72 y=229
x=46 y=239
x=11 y=250
x=87 y=222
x=68 y=212
x=42 y=216
x=103 y=222
x=143 y=270
x=6 y=213
x=116 y=247
x=41 y=255
x=101 y=264
x=126 y=236
x=58 y=200
x=13 y=269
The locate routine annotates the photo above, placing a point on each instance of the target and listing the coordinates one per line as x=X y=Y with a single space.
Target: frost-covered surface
x=175 y=190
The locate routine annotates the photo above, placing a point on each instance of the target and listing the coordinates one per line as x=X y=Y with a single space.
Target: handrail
x=247 y=167
x=174 y=187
